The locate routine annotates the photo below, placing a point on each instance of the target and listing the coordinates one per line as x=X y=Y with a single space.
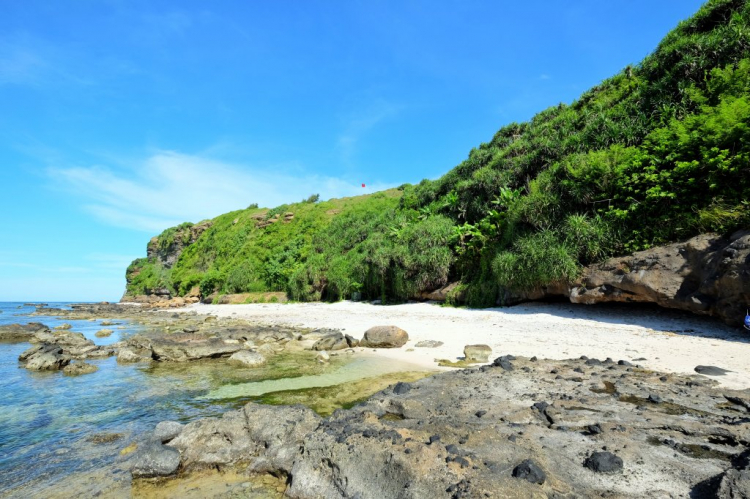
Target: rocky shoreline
x=517 y=428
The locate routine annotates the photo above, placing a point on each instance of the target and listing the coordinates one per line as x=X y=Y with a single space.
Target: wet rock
x=428 y=344
x=247 y=358
x=530 y=471
x=179 y=350
x=79 y=368
x=48 y=358
x=477 y=353
x=167 y=430
x=127 y=355
x=603 y=462
x=710 y=370
x=154 y=459
x=384 y=337
x=17 y=333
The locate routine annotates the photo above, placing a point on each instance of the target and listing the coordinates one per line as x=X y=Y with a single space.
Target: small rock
x=154 y=460
x=103 y=333
x=167 y=430
x=247 y=358
x=79 y=368
x=401 y=388
x=323 y=356
x=530 y=471
x=603 y=462
x=653 y=398
x=481 y=413
x=64 y=326
x=477 y=353
x=428 y=344
x=624 y=363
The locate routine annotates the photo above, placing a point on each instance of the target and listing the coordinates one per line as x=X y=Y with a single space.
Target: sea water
x=64 y=435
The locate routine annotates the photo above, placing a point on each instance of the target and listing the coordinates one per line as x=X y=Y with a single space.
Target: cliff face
x=166 y=249
x=707 y=275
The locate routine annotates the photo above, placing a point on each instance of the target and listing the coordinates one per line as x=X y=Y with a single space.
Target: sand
x=666 y=341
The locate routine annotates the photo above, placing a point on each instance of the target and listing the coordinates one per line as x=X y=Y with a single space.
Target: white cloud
x=169 y=188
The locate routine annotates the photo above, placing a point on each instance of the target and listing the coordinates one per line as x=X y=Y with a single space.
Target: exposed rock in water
x=477 y=353
x=384 y=337
x=18 y=333
x=127 y=355
x=183 y=350
x=247 y=359
x=45 y=358
x=103 y=333
x=79 y=368
x=471 y=432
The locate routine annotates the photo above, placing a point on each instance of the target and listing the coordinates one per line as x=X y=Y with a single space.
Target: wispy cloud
x=168 y=188
x=544 y=77
x=358 y=124
x=25 y=60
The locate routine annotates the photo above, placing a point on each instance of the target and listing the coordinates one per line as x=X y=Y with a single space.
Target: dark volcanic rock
x=401 y=388
x=530 y=471
x=603 y=462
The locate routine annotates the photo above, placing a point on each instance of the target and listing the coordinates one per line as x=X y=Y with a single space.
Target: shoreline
x=669 y=341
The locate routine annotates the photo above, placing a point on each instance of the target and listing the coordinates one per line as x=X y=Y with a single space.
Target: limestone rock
x=247 y=358
x=477 y=353
x=47 y=358
x=180 y=350
x=428 y=344
x=335 y=341
x=16 y=333
x=103 y=333
x=384 y=337
x=128 y=355
x=154 y=459
x=79 y=368
x=167 y=430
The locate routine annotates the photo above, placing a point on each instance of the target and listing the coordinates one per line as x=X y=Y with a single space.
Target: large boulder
x=17 y=333
x=168 y=430
x=46 y=358
x=267 y=437
x=384 y=337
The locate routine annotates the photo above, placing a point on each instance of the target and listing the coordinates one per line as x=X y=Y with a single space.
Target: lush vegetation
x=657 y=153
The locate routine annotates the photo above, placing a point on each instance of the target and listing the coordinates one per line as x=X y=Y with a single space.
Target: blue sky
x=119 y=119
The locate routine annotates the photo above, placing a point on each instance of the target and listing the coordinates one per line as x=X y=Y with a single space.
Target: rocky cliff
x=707 y=275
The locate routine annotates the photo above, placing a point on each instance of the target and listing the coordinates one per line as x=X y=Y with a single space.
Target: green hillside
x=659 y=152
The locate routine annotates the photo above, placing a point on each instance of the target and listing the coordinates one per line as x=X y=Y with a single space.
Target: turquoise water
x=48 y=420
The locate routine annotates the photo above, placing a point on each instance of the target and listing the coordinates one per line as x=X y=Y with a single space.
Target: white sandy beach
x=668 y=341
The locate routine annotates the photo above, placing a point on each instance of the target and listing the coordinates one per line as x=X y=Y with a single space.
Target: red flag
x=363 y=185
